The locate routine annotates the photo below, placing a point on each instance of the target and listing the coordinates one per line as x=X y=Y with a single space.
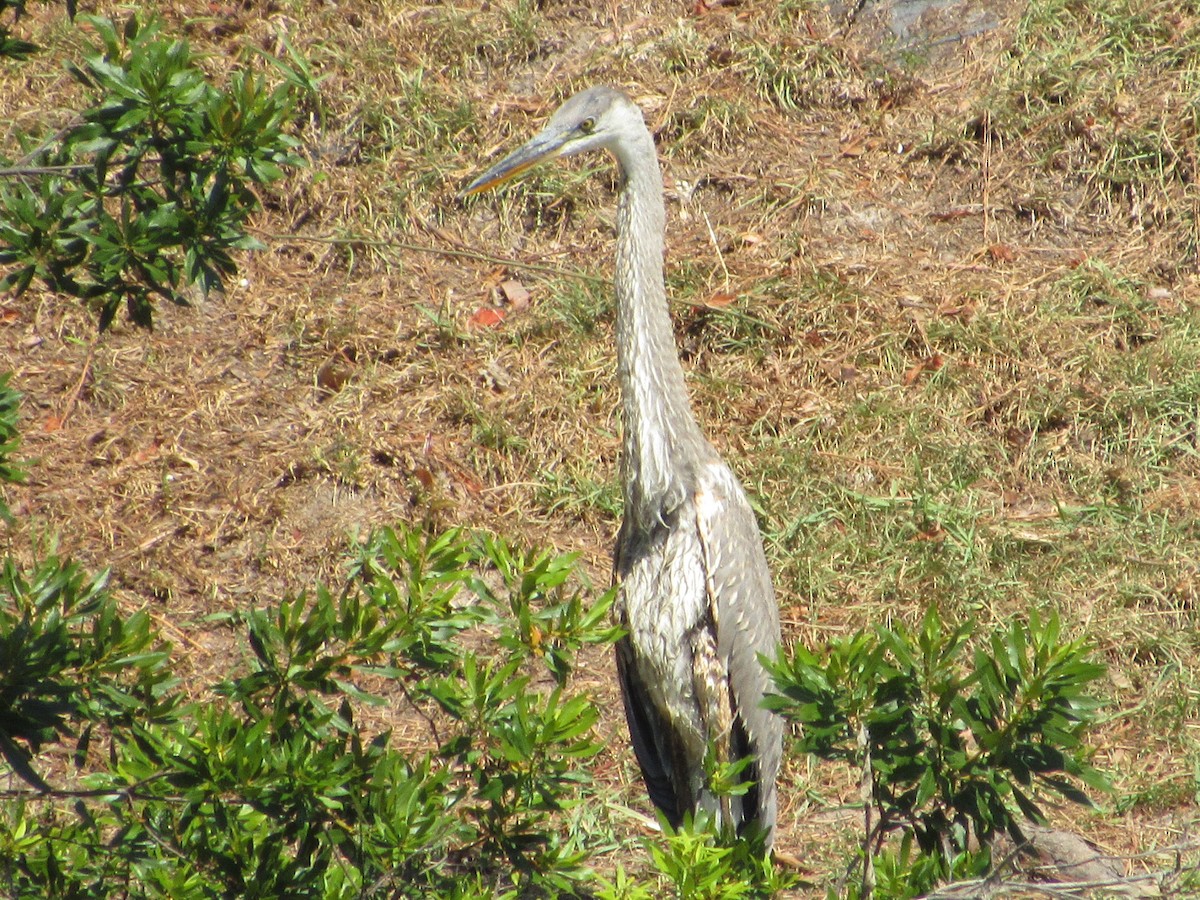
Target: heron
x=695 y=599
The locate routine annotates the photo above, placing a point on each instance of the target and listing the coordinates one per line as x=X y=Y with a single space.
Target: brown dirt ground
x=211 y=465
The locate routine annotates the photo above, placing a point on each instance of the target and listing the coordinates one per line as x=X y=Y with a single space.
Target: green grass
x=795 y=74
x=710 y=123
x=1066 y=92
x=573 y=489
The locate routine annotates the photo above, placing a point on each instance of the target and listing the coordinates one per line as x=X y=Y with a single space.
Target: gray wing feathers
x=746 y=616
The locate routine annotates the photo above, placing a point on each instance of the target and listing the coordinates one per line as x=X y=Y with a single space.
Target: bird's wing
x=655 y=743
x=746 y=617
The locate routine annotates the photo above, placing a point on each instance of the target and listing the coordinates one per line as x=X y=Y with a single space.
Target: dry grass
x=963 y=365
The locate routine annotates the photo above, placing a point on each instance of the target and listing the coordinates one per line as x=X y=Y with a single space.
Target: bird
x=695 y=600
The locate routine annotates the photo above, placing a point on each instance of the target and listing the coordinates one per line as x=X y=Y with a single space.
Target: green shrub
x=955 y=740
x=68 y=659
x=272 y=784
x=149 y=190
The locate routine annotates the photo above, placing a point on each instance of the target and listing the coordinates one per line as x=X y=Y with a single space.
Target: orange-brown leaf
x=928 y=364
x=146 y=452
x=486 y=317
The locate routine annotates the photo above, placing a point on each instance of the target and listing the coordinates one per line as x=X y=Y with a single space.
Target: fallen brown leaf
x=950 y=215
x=928 y=364
x=148 y=451
x=515 y=294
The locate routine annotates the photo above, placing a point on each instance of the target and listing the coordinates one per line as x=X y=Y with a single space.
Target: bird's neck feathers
x=663 y=443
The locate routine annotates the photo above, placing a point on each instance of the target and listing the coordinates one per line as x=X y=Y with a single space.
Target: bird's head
x=600 y=118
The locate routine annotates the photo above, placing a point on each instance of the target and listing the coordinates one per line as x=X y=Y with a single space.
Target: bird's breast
x=664 y=599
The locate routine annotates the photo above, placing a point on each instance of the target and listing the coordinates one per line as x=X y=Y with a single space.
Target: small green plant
x=551 y=623
x=69 y=659
x=1093 y=286
x=12 y=471
x=150 y=190
x=796 y=74
x=693 y=863
x=955 y=742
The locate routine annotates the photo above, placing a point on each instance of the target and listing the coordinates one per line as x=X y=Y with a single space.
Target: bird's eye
x=588 y=125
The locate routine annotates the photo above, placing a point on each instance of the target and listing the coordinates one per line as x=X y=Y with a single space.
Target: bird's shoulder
x=737 y=576
x=718 y=492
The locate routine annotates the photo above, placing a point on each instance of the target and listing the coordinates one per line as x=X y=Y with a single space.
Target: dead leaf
x=147 y=452
x=928 y=364
x=1001 y=253
x=424 y=476
x=515 y=294
x=486 y=317
x=840 y=372
x=52 y=423
x=336 y=371
x=719 y=301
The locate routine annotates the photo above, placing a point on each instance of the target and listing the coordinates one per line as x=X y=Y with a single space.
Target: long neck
x=661 y=434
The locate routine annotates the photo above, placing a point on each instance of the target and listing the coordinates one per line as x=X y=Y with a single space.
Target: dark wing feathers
x=654 y=742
